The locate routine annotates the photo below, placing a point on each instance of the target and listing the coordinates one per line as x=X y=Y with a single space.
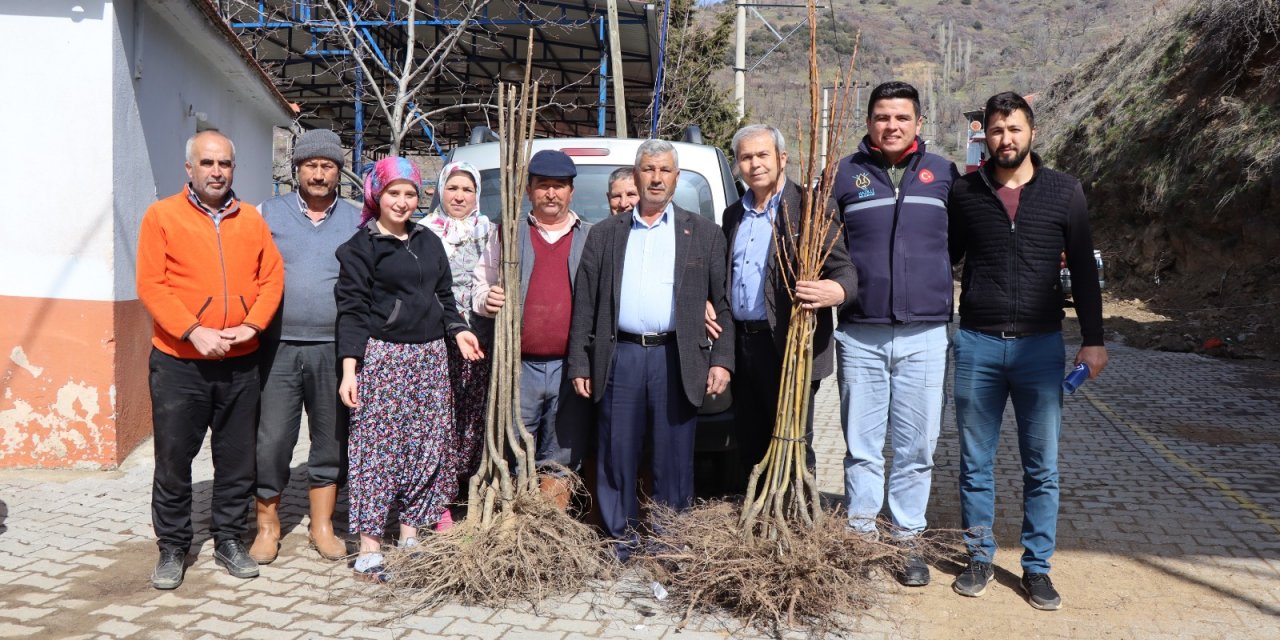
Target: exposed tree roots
x=529 y=553
x=819 y=583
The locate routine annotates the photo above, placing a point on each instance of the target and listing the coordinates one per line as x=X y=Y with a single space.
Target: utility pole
x=615 y=55
x=857 y=97
x=740 y=53
x=826 y=122
x=740 y=60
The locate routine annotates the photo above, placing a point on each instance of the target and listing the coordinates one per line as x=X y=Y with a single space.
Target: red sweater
x=548 y=304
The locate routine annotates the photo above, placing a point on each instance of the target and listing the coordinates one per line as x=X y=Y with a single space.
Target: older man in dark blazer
x=638 y=346
x=760 y=291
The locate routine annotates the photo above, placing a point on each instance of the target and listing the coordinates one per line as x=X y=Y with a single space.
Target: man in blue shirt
x=761 y=289
x=638 y=345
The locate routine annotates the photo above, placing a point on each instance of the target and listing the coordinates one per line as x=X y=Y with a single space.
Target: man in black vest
x=891 y=336
x=1010 y=222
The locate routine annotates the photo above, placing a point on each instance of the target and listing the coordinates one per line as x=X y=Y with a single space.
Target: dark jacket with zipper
x=1011 y=280
x=897 y=235
x=393 y=290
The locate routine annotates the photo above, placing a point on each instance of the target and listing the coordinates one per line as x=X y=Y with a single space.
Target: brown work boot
x=266 y=545
x=557 y=489
x=323 y=500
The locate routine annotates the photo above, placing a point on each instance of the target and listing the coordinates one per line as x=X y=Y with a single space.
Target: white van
x=706 y=187
x=706 y=183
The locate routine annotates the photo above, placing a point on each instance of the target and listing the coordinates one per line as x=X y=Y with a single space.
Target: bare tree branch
x=420 y=65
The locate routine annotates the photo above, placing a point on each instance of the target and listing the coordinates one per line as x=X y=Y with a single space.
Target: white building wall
x=55 y=172
x=101 y=98
x=167 y=85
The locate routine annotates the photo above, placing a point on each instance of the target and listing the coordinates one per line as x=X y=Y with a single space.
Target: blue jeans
x=989 y=371
x=890 y=378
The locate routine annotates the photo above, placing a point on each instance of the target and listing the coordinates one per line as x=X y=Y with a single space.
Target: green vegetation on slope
x=1176 y=135
x=995 y=45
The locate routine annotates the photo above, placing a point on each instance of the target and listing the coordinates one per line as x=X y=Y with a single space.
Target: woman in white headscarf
x=465 y=231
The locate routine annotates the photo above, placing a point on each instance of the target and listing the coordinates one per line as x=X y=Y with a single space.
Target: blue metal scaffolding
x=294 y=41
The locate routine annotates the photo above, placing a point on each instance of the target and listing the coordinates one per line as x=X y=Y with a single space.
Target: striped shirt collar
x=231 y=205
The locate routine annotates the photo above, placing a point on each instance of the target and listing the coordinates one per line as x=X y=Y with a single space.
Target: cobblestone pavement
x=1170 y=528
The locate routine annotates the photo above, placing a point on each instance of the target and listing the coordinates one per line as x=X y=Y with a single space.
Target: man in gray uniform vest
x=298 y=365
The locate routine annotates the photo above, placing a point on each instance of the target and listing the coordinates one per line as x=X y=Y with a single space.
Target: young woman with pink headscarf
x=395 y=313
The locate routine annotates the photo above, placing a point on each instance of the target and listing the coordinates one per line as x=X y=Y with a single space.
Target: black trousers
x=298 y=375
x=757 y=372
x=188 y=397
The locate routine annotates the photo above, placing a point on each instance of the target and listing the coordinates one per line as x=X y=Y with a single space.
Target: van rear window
x=693 y=193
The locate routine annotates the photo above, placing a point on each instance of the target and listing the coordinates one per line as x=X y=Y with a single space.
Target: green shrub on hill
x=1176 y=135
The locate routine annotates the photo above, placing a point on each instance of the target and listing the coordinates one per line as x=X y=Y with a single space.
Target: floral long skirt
x=470 y=382
x=402 y=437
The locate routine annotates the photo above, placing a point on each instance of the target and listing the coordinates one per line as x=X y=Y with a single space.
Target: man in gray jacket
x=639 y=347
x=551 y=241
x=298 y=357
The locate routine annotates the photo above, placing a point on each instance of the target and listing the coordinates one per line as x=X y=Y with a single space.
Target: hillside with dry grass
x=958 y=52
x=1175 y=132
x=1168 y=111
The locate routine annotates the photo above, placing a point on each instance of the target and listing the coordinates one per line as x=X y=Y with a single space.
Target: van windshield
x=693 y=193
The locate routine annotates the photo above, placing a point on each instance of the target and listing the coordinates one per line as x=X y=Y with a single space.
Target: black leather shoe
x=169 y=569
x=232 y=555
x=914 y=572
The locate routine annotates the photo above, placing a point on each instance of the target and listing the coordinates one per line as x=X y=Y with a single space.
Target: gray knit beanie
x=318 y=143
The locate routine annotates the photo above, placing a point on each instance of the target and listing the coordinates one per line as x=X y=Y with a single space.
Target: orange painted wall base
x=74 y=382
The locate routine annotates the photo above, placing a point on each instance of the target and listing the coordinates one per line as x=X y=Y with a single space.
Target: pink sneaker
x=446 y=522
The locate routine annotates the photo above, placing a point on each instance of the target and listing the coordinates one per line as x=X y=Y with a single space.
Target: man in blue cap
x=550 y=247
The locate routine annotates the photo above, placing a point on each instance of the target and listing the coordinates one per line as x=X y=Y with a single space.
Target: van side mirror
x=481 y=134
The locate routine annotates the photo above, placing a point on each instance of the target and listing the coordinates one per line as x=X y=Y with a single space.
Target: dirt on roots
x=820 y=584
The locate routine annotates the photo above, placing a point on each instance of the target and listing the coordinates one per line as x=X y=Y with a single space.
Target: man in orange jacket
x=211 y=277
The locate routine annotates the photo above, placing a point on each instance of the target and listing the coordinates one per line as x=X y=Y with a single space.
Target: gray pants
x=558 y=418
x=298 y=375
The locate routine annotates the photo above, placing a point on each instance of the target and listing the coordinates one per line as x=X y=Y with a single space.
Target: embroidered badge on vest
x=863 y=182
x=926 y=176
